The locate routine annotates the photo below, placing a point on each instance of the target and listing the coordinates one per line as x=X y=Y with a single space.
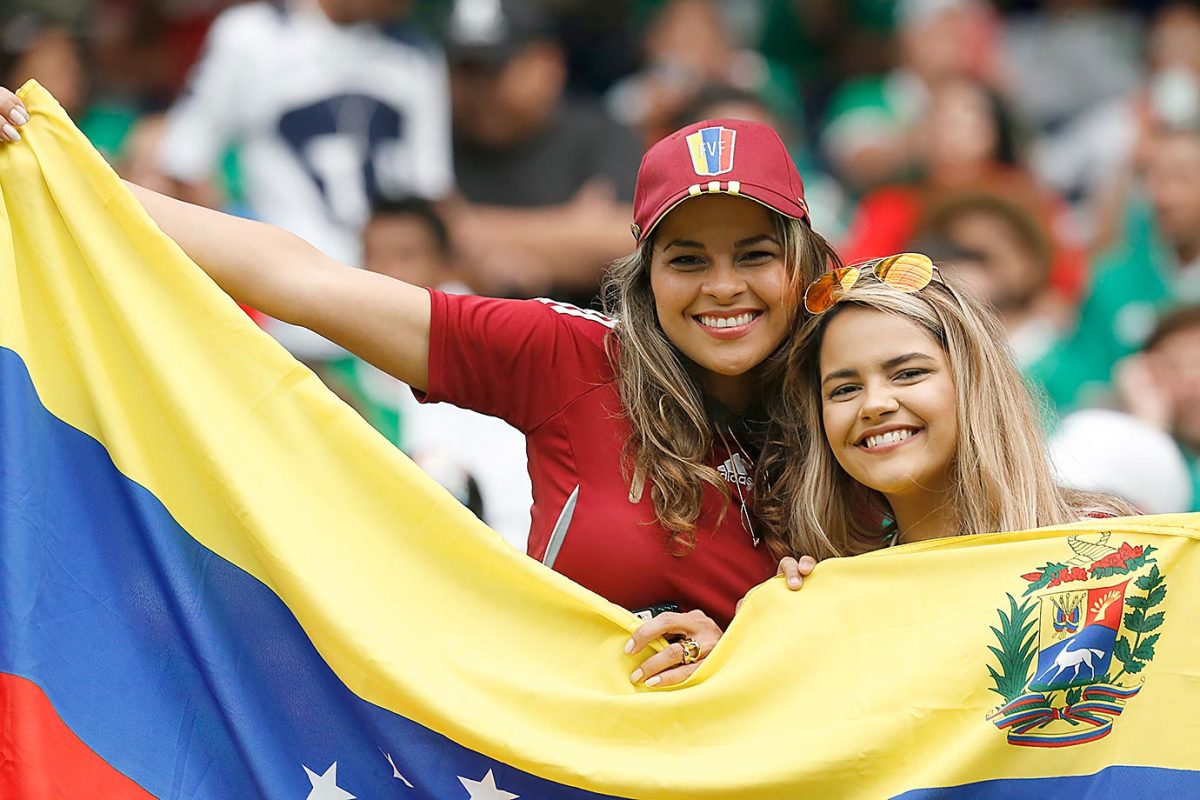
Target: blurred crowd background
x=1047 y=154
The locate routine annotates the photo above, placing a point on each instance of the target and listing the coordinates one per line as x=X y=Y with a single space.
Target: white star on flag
x=485 y=789
x=324 y=787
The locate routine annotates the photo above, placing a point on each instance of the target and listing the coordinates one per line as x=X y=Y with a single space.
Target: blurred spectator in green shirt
x=873 y=131
x=1154 y=265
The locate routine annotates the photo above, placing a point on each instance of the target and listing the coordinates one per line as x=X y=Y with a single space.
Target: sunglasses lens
x=829 y=288
x=907 y=272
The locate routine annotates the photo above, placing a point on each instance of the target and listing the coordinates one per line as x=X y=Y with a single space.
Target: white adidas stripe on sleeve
x=575 y=311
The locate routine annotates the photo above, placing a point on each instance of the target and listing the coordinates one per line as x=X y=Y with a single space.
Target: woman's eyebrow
x=747 y=242
x=762 y=237
x=898 y=360
x=839 y=374
x=684 y=243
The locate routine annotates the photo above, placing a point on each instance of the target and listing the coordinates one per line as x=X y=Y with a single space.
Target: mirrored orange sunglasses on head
x=904 y=272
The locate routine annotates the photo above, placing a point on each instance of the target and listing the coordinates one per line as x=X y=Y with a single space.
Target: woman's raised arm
x=380 y=319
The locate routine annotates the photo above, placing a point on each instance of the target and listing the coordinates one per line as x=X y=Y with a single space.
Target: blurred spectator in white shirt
x=331 y=104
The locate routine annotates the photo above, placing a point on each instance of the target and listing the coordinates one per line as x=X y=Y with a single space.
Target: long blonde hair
x=1002 y=477
x=672 y=435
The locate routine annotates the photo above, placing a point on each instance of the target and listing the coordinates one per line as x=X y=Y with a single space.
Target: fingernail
x=18 y=116
x=11 y=133
x=629 y=647
x=808 y=562
x=636 y=676
x=794 y=582
x=653 y=681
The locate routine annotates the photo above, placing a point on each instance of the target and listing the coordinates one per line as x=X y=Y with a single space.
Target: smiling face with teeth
x=889 y=405
x=719 y=280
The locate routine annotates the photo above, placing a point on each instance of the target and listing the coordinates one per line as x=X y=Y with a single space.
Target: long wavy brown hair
x=672 y=436
x=1001 y=472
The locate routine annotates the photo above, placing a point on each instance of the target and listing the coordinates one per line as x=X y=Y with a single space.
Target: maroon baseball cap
x=726 y=156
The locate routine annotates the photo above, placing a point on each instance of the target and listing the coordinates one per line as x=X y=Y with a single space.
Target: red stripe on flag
x=41 y=758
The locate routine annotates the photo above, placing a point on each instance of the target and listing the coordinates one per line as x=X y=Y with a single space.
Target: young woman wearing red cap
x=642 y=431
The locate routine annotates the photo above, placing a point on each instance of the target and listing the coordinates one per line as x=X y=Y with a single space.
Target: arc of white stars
x=485 y=789
x=324 y=786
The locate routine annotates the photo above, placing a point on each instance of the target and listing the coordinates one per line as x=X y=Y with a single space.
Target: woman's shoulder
x=549 y=337
x=521 y=316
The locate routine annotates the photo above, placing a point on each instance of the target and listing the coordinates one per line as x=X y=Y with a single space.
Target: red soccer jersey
x=542 y=367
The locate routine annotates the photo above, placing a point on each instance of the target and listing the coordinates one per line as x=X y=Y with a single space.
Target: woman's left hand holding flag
x=694 y=636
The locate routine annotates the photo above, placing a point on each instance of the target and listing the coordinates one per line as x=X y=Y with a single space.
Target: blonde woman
x=903 y=418
x=643 y=429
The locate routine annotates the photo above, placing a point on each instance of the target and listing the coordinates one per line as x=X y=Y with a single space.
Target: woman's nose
x=878 y=399
x=724 y=281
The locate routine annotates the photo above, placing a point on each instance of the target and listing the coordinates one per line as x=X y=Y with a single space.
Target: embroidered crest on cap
x=712 y=150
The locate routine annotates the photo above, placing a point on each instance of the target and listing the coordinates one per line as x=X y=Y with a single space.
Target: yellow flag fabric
x=225 y=584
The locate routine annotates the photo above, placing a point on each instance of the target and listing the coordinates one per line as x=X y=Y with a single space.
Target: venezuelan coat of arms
x=1070 y=651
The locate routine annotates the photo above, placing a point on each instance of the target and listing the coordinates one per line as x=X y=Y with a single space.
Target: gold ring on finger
x=691 y=650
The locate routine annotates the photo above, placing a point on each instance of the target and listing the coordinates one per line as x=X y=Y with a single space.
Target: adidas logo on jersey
x=735 y=470
x=575 y=311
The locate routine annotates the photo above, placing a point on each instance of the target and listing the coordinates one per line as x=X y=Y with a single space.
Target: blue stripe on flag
x=181 y=670
x=1111 y=782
